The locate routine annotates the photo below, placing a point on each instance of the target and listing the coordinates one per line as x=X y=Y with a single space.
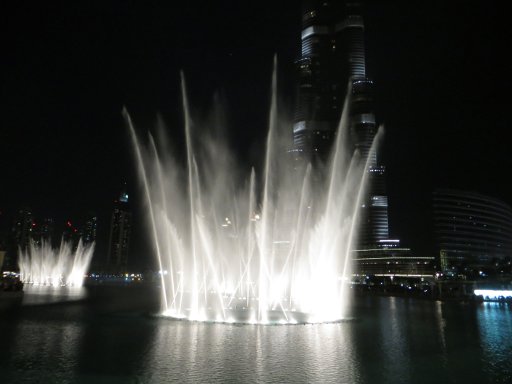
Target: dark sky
x=68 y=68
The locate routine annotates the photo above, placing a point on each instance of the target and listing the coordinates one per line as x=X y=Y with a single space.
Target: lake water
x=104 y=335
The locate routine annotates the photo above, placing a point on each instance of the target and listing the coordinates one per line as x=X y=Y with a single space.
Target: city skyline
x=439 y=76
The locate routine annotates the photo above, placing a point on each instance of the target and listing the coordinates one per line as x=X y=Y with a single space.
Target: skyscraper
x=23 y=228
x=119 y=240
x=21 y=235
x=333 y=62
x=89 y=229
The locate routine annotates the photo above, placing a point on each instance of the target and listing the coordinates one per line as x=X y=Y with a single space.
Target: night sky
x=68 y=68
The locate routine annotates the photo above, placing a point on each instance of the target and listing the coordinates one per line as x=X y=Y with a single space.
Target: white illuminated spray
x=282 y=257
x=44 y=265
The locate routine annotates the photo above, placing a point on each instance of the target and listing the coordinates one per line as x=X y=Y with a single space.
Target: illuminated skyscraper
x=120 y=231
x=332 y=58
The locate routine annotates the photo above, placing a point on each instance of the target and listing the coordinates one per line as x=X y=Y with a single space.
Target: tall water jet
x=42 y=264
x=232 y=249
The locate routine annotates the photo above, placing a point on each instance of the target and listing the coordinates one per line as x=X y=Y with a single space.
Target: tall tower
x=120 y=230
x=89 y=229
x=23 y=228
x=332 y=57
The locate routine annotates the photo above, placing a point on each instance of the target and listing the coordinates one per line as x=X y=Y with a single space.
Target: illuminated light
x=492 y=294
x=302 y=274
x=314 y=30
x=173 y=313
x=41 y=264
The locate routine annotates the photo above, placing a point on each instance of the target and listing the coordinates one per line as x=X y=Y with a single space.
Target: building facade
x=473 y=233
x=119 y=239
x=332 y=63
x=89 y=230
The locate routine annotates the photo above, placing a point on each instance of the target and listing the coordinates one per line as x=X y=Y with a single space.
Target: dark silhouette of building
x=473 y=233
x=20 y=236
x=71 y=233
x=333 y=61
x=46 y=230
x=23 y=228
x=89 y=230
x=120 y=231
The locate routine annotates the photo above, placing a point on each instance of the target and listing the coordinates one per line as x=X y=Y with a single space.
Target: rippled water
x=106 y=336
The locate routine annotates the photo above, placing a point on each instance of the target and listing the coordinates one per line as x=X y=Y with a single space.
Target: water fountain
x=274 y=249
x=42 y=264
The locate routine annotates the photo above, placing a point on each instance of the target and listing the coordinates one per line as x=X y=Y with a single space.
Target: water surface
x=107 y=336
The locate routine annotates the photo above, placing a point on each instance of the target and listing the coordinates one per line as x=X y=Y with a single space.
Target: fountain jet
x=268 y=249
x=45 y=265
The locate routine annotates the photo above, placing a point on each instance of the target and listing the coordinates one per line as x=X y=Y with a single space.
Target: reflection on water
x=195 y=352
x=108 y=338
x=47 y=294
x=441 y=324
x=33 y=345
x=495 y=325
x=394 y=345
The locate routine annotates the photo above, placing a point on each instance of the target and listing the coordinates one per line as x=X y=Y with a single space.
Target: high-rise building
x=47 y=229
x=21 y=234
x=473 y=232
x=120 y=230
x=89 y=229
x=332 y=63
x=43 y=231
x=71 y=233
x=23 y=228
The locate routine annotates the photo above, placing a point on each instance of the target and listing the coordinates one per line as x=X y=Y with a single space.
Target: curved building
x=473 y=231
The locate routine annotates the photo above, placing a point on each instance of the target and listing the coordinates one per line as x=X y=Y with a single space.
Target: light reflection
x=495 y=325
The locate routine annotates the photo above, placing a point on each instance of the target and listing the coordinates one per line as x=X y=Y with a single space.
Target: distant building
x=2 y=258
x=43 y=231
x=89 y=229
x=21 y=234
x=47 y=229
x=71 y=233
x=23 y=228
x=332 y=56
x=390 y=261
x=473 y=232
x=120 y=231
